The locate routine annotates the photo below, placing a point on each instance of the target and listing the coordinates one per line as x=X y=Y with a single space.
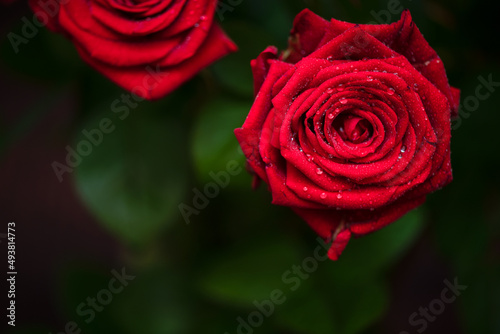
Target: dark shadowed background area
x=104 y=248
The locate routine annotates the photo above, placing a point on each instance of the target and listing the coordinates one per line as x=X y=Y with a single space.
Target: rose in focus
x=351 y=124
x=148 y=47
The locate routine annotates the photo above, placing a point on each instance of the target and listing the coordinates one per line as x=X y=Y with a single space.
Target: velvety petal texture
x=351 y=124
x=147 y=47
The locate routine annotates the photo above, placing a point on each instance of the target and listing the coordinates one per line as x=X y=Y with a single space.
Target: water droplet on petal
x=369 y=78
x=390 y=91
x=305 y=189
x=203 y=18
x=329 y=58
x=319 y=171
x=329 y=90
x=323 y=195
x=403 y=149
x=330 y=116
x=340 y=88
x=343 y=100
x=339 y=195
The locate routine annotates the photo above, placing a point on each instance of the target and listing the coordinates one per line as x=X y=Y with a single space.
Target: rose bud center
x=353 y=128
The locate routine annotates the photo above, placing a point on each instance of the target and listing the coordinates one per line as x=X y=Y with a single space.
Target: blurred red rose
x=149 y=47
x=351 y=124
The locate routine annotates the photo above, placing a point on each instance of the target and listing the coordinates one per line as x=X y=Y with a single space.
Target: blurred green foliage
x=203 y=276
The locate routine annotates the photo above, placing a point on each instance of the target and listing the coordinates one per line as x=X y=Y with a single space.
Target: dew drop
x=329 y=58
x=340 y=88
x=403 y=149
x=329 y=90
x=339 y=195
x=369 y=78
x=323 y=195
x=203 y=18
x=319 y=171
x=305 y=189
x=330 y=116
x=343 y=101
x=390 y=91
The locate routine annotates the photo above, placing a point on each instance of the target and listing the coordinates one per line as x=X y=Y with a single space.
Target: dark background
x=119 y=207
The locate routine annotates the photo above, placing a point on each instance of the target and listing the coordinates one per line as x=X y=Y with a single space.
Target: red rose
x=149 y=47
x=351 y=124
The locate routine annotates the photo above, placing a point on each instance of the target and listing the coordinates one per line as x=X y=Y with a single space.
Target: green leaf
x=307 y=311
x=213 y=142
x=370 y=254
x=323 y=304
x=134 y=179
x=359 y=304
x=249 y=272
